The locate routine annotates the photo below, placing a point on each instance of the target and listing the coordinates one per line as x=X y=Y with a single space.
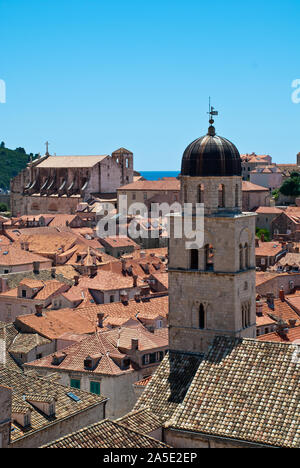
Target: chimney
x=123 y=261
x=124 y=297
x=296 y=249
x=142 y=254
x=292 y=323
x=3 y=285
x=135 y=281
x=262 y=237
x=39 y=310
x=76 y=280
x=100 y=317
x=259 y=307
x=53 y=272
x=93 y=271
x=134 y=344
x=270 y=300
x=36 y=268
x=290 y=246
x=137 y=297
x=281 y=295
x=25 y=246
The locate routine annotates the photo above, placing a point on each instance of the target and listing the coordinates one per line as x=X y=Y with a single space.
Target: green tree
x=265 y=232
x=291 y=186
x=3 y=208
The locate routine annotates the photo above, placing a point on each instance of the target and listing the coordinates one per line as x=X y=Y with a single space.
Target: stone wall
x=5 y=416
x=181 y=439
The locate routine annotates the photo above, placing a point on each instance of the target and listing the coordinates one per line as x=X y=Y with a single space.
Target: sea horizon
x=157 y=175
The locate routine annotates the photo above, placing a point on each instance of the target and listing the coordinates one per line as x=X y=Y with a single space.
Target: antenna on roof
x=212 y=112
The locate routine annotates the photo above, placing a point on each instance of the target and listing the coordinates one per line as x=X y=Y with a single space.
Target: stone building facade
x=212 y=285
x=57 y=184
x=5 y=416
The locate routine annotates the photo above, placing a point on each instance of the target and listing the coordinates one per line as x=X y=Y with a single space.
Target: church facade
x=57 y=184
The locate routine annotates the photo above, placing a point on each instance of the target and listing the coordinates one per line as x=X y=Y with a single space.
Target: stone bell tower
x=212 y=286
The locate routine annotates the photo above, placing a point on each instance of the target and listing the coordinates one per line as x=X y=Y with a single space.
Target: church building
x=57 y=184
x=218 y=386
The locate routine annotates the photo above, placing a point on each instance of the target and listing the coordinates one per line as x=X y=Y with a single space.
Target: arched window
x=222 y=196
x=209 y=257
x=236 y=195
x=246 y=248
x=201 y=317
x=200 y=197
x=246 y=314
x=194 y=259
x=241 y=258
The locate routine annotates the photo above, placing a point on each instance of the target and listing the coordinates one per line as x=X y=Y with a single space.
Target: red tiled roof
x=143 y=382
x=117 y=241
x=13 y=255
x=268 y=249
x=147 y=185
x=55 y=323
x=249 y=187
x=95 y=345
x=292 y=335
x=282 y=310
x=268 y=210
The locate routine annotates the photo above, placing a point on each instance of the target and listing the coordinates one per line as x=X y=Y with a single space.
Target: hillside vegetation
x=11 y=163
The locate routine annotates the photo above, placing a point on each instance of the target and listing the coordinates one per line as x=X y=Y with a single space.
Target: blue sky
x=92 y=75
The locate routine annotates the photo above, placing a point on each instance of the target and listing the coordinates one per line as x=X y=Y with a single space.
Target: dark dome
x=211 y=155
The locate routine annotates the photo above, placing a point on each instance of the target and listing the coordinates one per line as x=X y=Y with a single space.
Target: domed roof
x=211 y=156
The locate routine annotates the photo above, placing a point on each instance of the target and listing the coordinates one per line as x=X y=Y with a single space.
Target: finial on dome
x=212 y=112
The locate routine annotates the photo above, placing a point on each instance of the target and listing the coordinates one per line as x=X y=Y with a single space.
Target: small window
x=95 y=388
x=194 y=259
x=146 y=359
x=26 y=420
x=201 y=317
x=209 y=257
x=241 y=258
x=75 y=383
x=236 y=195
x=112 y=299
x=152 y=358
x=200 y=193
x=222 y=196
x=23 y=292
x=246 y=248
x=39 y=356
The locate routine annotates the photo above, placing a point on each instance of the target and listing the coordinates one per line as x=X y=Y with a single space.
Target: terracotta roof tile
x=65 y=407
x=55 y=323
x=106 y=434
x=154 y=185
x=143 y=421
x=249 y=187
x=292 y=336
x=244 y=389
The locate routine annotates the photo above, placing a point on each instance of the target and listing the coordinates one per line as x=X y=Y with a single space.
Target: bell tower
x=212 y=285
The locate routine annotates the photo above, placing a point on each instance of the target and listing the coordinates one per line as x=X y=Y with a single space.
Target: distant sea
x=155 y=175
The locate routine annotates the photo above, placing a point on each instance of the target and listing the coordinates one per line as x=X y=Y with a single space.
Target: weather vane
x=212 y=112
x=47 y=147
